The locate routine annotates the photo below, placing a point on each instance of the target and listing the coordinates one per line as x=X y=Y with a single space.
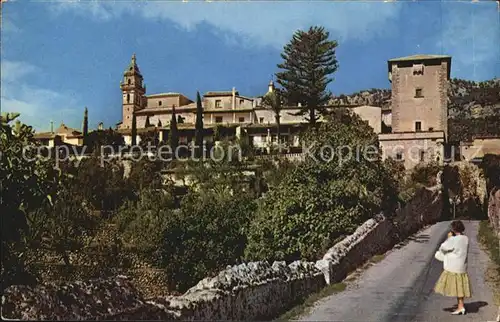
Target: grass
x=311 y=300
x=377 y=258
x=490 y=241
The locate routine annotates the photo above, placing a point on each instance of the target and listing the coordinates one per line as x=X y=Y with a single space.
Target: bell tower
x=133 y=91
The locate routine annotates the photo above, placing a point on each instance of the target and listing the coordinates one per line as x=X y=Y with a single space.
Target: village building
x=413 y=130
x=238 y=113
x=62 y=135
x=419 y=111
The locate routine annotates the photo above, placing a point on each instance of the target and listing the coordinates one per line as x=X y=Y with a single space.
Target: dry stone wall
x=494 y=210
x=251 y=291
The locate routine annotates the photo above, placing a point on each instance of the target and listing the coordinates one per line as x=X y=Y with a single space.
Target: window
x=242 y=102
x=418 y=92
x=129 y=81
x=261 y=120
x=418 y=126
x=218 y=103
x=399 y=156
x=159 y=103
x=241 y=119
x=128 y=98
x=218 y=119
x=422 y=155
x=431 y=129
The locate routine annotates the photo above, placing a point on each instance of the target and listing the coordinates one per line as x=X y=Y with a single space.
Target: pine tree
x=308 y=60
x=134 y=130
x=199 y=127
x=173 y=135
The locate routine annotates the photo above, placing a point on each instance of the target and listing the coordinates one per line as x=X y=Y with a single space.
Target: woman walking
x=454 y=281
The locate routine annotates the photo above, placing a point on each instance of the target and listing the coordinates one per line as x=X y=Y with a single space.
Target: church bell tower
x=133 y=93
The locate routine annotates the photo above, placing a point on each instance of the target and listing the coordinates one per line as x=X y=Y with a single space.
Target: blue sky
x=58 y=57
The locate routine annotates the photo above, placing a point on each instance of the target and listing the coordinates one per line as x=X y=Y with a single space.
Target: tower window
x=159 y=103
x=422 y=156
x=218 y=103
x=418 y=126
x=218 y=119
x=418 y=92
x=129 y=81
x=128 y=98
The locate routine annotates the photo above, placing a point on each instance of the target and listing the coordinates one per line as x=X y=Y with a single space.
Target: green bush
x=141 y=224
x=491 y=169
x=319 y=201
x=205 y=235
x=426 y=173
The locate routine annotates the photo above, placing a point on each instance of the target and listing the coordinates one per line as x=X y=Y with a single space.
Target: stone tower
x=419 y=93
x=133 y=91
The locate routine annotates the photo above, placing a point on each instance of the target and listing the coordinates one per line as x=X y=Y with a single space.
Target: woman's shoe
x=459 y=312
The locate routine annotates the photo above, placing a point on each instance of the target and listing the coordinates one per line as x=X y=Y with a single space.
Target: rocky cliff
x=466 y=99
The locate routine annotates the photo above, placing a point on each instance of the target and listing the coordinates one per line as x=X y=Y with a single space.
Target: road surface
x=399 y=288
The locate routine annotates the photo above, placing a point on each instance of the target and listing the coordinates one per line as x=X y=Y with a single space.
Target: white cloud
x=12 y=71
x=259 y=23
x=37 y=105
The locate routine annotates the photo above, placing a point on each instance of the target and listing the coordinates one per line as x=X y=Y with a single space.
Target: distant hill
x=473 y=107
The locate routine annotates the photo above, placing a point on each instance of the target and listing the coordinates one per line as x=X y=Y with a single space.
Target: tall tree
x=274 y=101
x=85 y=127
x=134 y=130
x=308 y=60
x=173 y=135
x=199 y=127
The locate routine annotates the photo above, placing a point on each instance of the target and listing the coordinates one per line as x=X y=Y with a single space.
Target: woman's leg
x=460 y=303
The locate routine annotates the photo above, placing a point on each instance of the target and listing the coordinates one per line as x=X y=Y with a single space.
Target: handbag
x=439 y=256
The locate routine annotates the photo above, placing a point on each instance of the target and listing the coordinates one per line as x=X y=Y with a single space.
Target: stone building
x=241 y=113
x=419 y=115
x=413 y=130
x=63 y=134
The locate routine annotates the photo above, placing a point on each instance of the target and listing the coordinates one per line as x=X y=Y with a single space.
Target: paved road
x=399 y=288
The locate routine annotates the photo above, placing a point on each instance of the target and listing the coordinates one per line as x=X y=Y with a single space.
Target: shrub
x=205 y=235
x=141 y=224
x=319 y=201
x=26 y=184
x=426 y=173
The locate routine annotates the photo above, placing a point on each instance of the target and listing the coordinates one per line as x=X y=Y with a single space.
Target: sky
x=58 y=57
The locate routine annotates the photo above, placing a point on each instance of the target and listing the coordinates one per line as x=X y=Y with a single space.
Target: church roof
x=164 y=94
x=132 y=67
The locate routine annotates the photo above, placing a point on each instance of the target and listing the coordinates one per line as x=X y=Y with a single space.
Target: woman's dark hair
x=457 y=226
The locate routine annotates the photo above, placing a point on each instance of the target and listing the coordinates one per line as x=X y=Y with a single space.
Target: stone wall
x=494 y=210
x=251 y=291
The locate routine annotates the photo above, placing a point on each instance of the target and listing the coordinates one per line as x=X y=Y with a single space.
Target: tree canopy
x=308 y=61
